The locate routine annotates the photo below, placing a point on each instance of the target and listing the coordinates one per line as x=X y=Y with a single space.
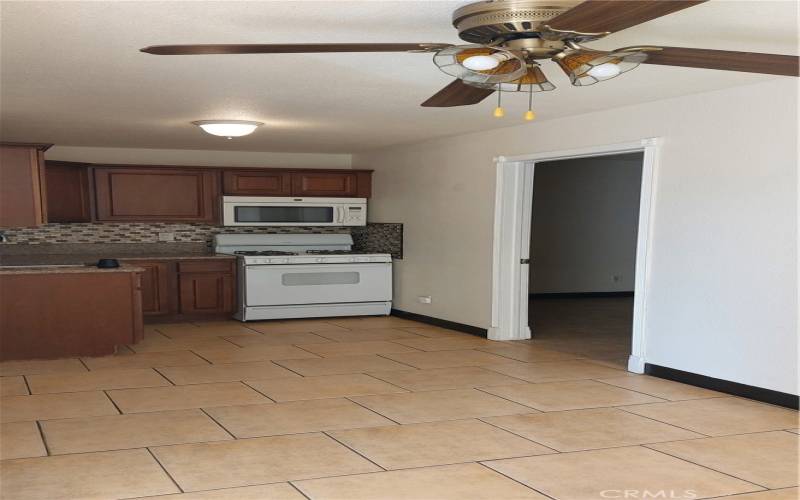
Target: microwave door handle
x=340 y=216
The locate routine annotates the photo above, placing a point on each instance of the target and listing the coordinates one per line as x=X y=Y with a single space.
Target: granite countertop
x=67 y=269
x=86 y=260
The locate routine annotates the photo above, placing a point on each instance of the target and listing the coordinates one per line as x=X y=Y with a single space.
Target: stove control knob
x=352 y=259
x=281 y=261
x=320 y=259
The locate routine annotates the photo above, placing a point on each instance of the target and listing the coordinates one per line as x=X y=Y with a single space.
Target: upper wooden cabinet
x=257 y=183
x=23 y=188
x=68 y=196
x=274 y=182
x=170 y=194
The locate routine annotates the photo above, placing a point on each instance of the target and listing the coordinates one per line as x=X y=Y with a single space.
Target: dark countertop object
x=70 y=269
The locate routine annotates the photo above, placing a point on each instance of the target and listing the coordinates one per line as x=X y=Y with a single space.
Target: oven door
x=282 y=214
x=270 y=285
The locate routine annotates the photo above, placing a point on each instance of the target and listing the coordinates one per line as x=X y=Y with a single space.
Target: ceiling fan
x=508 y=38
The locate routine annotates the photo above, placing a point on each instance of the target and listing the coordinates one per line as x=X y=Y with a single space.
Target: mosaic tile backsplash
x=375 y=237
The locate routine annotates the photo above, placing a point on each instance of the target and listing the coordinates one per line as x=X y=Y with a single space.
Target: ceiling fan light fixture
x=467 y=63
x=481 y=63
x=533 y=81
x=228 y=128
x=587 y=67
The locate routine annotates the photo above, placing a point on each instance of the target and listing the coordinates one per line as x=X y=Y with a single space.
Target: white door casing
x=511 y=247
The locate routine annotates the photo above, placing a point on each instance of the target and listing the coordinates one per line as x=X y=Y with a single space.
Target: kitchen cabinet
x=68 y=193
x=324 y=184
x=305 y=183
x=187 y=288
x=155 y=288
x=164 y=194
x=23 y=187
x=257 y=183
x=206 y=287
x=50 y=313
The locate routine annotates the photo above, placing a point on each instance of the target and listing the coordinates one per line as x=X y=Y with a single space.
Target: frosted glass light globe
x=228 y=128
x=480 y=63
x=604 y=71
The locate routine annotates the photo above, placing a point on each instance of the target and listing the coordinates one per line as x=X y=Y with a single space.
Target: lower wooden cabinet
x=206 y=293
x=155 y=288
x=185 y=289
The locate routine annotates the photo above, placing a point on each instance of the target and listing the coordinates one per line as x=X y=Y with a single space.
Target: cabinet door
x=256 y=183
x=22 y=186
x=155 y=287
x=206 y=293
x=324 y=184
x=156 y=194
x=68 y=193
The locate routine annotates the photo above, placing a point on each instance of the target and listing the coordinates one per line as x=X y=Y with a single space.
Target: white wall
x=198 y=157
x=584 y=224
x=723 y=284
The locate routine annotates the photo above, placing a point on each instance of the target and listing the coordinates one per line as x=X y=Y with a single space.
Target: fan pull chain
x=499 y=112
x=530 y=115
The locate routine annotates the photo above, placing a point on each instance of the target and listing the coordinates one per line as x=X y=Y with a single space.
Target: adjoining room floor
x=593 y=327
x=374 y=408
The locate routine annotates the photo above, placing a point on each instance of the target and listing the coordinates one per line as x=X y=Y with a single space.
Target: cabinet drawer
x=257 y=183
x=206 y=266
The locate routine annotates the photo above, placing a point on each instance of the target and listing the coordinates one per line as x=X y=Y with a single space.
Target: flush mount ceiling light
x=228 y=128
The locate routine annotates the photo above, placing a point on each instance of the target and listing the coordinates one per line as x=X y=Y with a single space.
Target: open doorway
x=584 y=225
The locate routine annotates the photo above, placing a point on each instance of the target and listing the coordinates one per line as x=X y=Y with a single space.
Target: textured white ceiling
x=71 y=72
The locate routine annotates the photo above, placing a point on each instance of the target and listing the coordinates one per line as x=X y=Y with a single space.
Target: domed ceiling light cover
x=228 y=128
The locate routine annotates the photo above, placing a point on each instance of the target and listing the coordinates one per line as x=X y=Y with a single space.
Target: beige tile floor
x=375 y=408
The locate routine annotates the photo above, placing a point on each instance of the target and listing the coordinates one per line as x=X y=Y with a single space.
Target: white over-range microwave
x=287 y=211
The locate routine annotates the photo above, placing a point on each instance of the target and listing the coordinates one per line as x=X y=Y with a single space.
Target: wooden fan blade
x=290 y=48
x=598 y=16
x=749 y=62
x=457 y=93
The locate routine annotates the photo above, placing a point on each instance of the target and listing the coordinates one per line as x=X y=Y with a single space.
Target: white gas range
x=307 y=275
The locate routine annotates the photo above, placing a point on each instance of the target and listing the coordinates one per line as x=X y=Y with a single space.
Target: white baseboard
x=635 y=364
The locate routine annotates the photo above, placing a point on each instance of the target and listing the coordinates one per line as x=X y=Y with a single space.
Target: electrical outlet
x=166 y=236
x=424 y=299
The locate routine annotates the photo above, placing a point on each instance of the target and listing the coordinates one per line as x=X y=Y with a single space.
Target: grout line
x=291 y=483
x=201 y=357
x=218 y=423
x=27 y=385
x=112 y=401
x=481 y=419
x=355 y=451
x=164 y=469
x=622 y=408
x=84 y=364
x=370 y=409
x=44 y=439
x=400 y=362
x=275 y=362
x=701 y=465
x=164 y=376
x=387 y=382
x=509 y=400
x=515 y=480
x=253 y=388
